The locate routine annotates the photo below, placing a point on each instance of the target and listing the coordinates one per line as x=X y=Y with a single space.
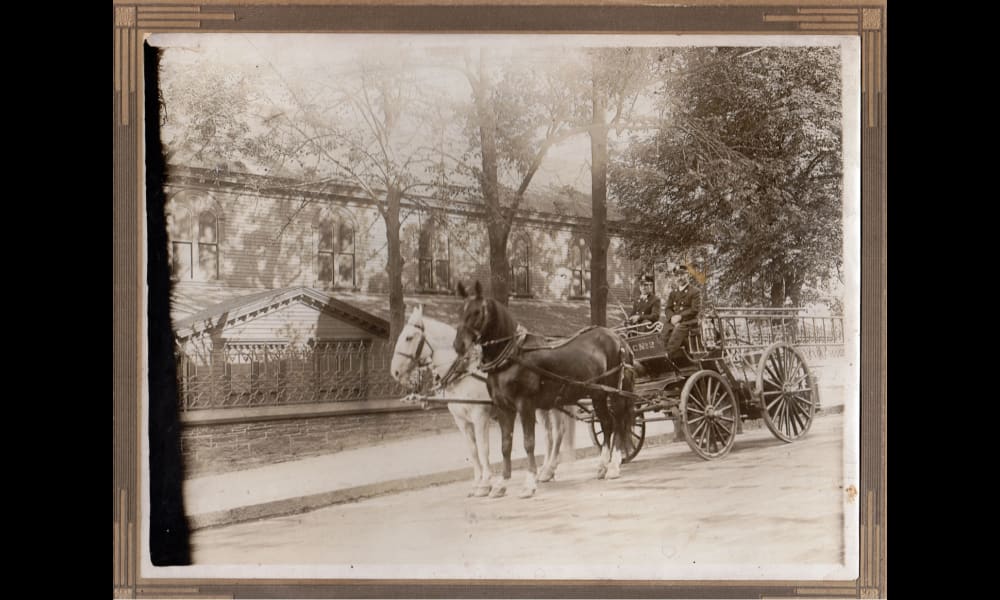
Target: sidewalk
x=309 y=483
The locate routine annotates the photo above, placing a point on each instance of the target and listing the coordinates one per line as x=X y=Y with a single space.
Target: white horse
x=428 y=343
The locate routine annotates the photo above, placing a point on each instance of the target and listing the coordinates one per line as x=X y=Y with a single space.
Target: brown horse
x=525 y=373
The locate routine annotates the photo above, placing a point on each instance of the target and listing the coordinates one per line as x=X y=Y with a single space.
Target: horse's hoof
x=498 y=492
x=481 y=491
x=601 y=471
x=614 y=473
x=528 y=493
x=546 y=475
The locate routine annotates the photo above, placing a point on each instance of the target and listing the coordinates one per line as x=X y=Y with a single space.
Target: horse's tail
x=623 y=425
x=627 y=445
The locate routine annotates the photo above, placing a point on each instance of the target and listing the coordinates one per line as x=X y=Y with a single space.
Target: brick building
x=279 y=304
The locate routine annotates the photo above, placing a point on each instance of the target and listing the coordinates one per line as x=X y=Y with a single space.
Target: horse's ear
x=479 y=290
x=461 y=290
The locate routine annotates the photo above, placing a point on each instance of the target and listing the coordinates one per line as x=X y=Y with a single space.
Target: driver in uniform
x=683 y=307
x=646 y=309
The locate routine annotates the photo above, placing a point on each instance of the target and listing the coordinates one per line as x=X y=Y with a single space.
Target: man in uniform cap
x=646 y=308
x=683 y=306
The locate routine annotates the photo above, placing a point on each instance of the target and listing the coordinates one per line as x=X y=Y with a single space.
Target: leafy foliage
x=744 y=172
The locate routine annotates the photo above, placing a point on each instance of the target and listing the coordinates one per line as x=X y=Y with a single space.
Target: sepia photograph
x=503 y=307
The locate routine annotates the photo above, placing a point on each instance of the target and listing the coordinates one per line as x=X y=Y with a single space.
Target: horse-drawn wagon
x=733 y=370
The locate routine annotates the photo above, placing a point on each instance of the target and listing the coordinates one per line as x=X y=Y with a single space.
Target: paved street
x=767 y=503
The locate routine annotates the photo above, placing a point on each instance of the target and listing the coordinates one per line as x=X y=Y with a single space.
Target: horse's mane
x=503 y=323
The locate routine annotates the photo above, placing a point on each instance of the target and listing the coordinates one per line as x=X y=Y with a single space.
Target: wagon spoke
x=775 y=401
x=773 y=393
x=786 y=364
x=695 y=410
x=700 y=428
x=779 y=366
x=769 y=368
x=780 y=407
x=697 y=429
x=694 y=397
x=787 y=416
x=802 y=399
x=797 y=422
x=805 y=406
x=696 y=419
x=799 y=380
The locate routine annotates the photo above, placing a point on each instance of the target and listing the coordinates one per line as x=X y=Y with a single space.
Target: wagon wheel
x=709 y=414
x=787 y=391
x=638 y=435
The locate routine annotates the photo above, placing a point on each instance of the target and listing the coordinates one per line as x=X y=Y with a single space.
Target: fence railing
x=277 y=373
x=743 y=331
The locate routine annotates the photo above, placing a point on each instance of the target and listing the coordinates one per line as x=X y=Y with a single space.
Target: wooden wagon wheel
x=709 y=414
x=787 y=391
x=638 y=435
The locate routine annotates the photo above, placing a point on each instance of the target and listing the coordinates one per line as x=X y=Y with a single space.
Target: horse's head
x=483 y=320
x=412 y=350
x=475 y=318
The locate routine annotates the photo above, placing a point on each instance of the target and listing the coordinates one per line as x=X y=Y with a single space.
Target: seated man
x=646 y=309
x=683 y=306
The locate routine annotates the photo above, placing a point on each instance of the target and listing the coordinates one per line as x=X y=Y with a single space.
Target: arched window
x=434 y=258
x=520 y=266
x=181 y=246
x=335 y=251
x=194 y=240
x=208 y=245
x=580 y=266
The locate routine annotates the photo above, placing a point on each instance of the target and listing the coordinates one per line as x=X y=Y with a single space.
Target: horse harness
x=510 y=354
x=417 y=357
x=457 y=370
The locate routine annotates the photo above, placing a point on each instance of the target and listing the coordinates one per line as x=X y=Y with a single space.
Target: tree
x=518 y=113
x=617 y=77
x=369 y=130
x=745 y=170
x=365 y=126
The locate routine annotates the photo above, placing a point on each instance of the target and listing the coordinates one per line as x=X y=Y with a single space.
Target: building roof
x=552 y=201
x=196 y=310
x=544 y=317
x=244 y=306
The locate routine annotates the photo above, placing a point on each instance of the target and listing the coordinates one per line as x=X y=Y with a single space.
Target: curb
x=301 y=504
x=297 y=505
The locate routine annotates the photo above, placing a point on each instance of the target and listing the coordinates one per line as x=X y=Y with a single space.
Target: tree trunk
x=499 y=265
x=497 y=224
x=394 y=265
x=599 y=210
x=777 y=292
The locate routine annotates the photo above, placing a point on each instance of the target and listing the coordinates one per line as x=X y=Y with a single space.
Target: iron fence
x=278 y=373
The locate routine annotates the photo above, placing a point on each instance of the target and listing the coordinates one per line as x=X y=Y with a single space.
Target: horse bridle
x=480 y=327
x=417 y=357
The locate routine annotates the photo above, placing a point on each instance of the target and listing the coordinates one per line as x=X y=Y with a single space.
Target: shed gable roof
x=252 y=306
